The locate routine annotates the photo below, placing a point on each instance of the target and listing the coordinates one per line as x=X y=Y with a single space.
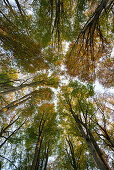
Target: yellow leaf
x=5 y=109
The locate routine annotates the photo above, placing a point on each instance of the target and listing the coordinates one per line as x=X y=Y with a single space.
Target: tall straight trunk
x=91 y=143
x=73 y=163
x=93 y=147
x=6 y=90
x=16 y=103
x=45 y=167
x=0 y=165
x=36 y=159
x=35 y=163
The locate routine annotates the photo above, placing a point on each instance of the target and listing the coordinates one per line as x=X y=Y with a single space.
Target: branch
x=12 y=134
x=4 y=129
x=9 y=161
x=19 y=7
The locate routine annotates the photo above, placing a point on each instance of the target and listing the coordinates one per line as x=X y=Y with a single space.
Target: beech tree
x=49 y=120
x=76 y=102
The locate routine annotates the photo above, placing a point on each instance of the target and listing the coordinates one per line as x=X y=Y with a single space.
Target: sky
x=97 y=85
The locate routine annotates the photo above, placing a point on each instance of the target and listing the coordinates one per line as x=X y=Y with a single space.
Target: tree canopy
x=53 y=54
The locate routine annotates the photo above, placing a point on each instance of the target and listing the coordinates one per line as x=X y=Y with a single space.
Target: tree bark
x=36 y=159
x=35 y=163
x=72 y=153
x=91 y=143
x=94 y=149
x=16 y=103
x=5 y=90
x=45 y=167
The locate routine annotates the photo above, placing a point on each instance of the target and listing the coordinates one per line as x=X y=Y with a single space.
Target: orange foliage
x=80 y=63
x=105 y=72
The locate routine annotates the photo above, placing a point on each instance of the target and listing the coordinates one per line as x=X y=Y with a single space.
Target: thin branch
x=4 y=129
x=9 y=161
x=12 y=134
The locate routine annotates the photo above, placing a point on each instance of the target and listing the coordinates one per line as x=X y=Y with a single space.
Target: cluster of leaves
x=78 y=131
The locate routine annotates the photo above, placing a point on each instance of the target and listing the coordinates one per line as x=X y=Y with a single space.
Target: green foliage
x=80 y=89
x=4 y=79
x=33 y=65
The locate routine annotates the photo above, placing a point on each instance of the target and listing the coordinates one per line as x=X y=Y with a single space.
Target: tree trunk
x=36 y=160
x=72 y=153
x=0 y=165
x=16 y=103
x=45 y=167
x=91 y=143
x=35 y=163
x=93 y=147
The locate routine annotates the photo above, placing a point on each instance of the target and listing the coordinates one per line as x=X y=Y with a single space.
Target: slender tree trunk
x=5 y=90
x=45 y=167
x=10 y=7
x=0 y=165
x=35 y=163
x=93 y=148
x=19 y=7
x=16 y=103
x=91 y=143
x=72 y=154
x=106 y=136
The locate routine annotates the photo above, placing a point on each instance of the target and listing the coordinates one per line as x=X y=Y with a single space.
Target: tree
x=76 y=99
x=76 y=130
x=45 y=128
x=105 y=122
x=72 y=152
